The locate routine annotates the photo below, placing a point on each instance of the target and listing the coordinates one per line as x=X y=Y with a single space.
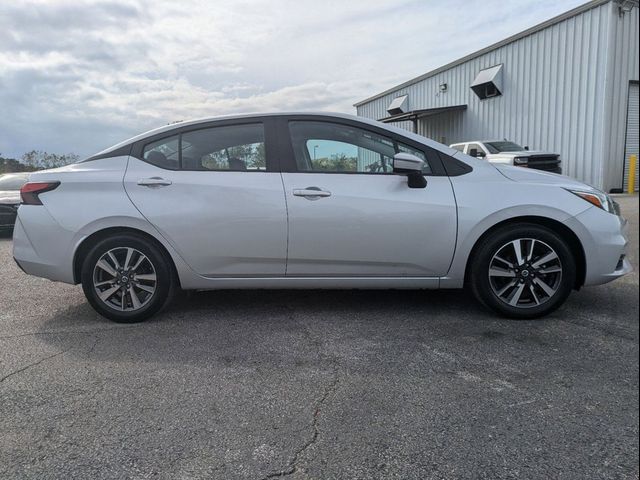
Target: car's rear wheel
x=523 y=271
x=127 y=279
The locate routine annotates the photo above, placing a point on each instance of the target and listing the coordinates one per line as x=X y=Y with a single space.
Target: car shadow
x=283 y=328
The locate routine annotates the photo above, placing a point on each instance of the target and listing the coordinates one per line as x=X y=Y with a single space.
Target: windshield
x=12 y=182
x=497 y=147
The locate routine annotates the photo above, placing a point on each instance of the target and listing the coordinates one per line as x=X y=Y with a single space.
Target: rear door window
x=233 y=148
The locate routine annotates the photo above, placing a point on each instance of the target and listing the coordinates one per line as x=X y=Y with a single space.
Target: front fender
x=477 y=213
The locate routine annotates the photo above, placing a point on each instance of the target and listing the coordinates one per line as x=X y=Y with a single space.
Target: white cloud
x=81 y=75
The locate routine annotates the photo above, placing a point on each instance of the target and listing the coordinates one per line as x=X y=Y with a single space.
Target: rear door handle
x=154 y=182
x=311 y=193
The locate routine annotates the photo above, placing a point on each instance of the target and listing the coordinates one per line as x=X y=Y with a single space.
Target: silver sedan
x=311 y=201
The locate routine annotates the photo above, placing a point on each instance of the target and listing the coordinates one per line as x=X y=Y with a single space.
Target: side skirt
x=406 y=283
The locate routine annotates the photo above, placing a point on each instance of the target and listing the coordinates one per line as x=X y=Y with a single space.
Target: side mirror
x=411 y=166
x=526 y=147
x=474 y=152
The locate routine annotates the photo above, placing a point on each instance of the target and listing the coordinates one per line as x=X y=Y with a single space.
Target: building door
x=631 y=143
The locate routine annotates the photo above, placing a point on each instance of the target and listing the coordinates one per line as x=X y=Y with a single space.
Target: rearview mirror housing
x=411 y=166
x=404 y=163
x=474 y=152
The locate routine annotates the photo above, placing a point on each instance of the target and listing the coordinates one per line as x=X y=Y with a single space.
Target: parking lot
x=318 y=384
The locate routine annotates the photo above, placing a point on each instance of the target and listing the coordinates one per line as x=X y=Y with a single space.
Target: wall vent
x=488 y=82
x=399 y=105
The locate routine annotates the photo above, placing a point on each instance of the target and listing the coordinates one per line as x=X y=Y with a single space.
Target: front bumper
x=605 y=242
x=552 y=169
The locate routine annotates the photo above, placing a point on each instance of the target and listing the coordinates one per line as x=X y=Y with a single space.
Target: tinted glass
x=12 y=182
x=497 y=147
x=331 y=147
x=237 y=147
x=163 y=153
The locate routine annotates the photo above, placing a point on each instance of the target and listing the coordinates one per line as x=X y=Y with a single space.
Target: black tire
x=486 y=291
x=161 y=266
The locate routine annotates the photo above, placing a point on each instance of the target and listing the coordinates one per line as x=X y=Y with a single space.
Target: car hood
x=527 y=175
x=526 y=153
x=9 y=197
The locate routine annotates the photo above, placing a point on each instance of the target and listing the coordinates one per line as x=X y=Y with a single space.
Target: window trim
x=278 y=149
x=287 y=153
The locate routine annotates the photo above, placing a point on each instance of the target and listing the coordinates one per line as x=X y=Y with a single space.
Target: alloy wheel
x=525 y=273
x=124 y=279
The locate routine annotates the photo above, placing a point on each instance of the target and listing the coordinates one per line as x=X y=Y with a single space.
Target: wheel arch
x=556 y=226
x=85 y=246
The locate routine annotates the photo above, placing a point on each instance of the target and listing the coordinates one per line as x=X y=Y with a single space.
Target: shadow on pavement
x=289 y=328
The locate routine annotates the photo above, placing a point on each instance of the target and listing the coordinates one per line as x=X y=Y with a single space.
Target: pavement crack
x=34 y=364
x=292 y=466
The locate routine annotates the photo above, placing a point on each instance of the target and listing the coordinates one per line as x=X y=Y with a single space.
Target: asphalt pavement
x=318 y=384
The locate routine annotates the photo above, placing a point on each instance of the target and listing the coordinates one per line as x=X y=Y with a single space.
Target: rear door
x=349 y=215
x=215 y=195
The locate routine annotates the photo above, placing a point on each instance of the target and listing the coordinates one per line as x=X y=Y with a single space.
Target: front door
x=349 y=215
x=210 y=194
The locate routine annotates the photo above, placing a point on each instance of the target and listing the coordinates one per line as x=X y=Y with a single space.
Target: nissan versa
x=311 y=201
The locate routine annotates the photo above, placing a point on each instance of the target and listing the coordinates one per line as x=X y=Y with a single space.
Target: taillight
x=30 y=191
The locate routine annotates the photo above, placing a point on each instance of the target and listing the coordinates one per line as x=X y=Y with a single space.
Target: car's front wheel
x=523 y=271
x=127 y=279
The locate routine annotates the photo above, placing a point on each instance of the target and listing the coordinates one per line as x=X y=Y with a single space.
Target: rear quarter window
x=163 y=153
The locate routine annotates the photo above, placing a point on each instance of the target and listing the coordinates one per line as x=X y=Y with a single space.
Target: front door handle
x=154 y=182
x=311 y=193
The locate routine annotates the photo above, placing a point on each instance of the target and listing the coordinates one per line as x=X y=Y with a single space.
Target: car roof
x=172 y=126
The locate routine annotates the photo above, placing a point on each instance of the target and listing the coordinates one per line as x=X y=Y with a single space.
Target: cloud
x=82 y=75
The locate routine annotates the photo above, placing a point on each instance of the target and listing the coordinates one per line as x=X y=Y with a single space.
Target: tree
x=338 y=162
x=11 y=165
x=38 y=160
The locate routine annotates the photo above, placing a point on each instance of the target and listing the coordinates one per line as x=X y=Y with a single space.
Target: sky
x=78 y=76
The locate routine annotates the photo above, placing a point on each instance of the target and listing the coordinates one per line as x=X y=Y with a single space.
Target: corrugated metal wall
x=555 y=94
x=623 y=68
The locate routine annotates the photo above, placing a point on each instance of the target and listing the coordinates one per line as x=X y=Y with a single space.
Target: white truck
x=510 y=153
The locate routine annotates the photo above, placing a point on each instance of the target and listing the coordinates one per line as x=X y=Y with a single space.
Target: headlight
x=521 y=160
x=599 y=199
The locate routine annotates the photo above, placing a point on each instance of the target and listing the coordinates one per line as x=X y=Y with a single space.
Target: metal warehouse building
x=569 y=85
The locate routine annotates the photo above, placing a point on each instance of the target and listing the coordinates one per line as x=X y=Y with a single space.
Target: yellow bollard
x=631 y=181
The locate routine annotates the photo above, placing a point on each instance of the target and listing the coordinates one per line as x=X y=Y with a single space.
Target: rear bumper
x=46 y=251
